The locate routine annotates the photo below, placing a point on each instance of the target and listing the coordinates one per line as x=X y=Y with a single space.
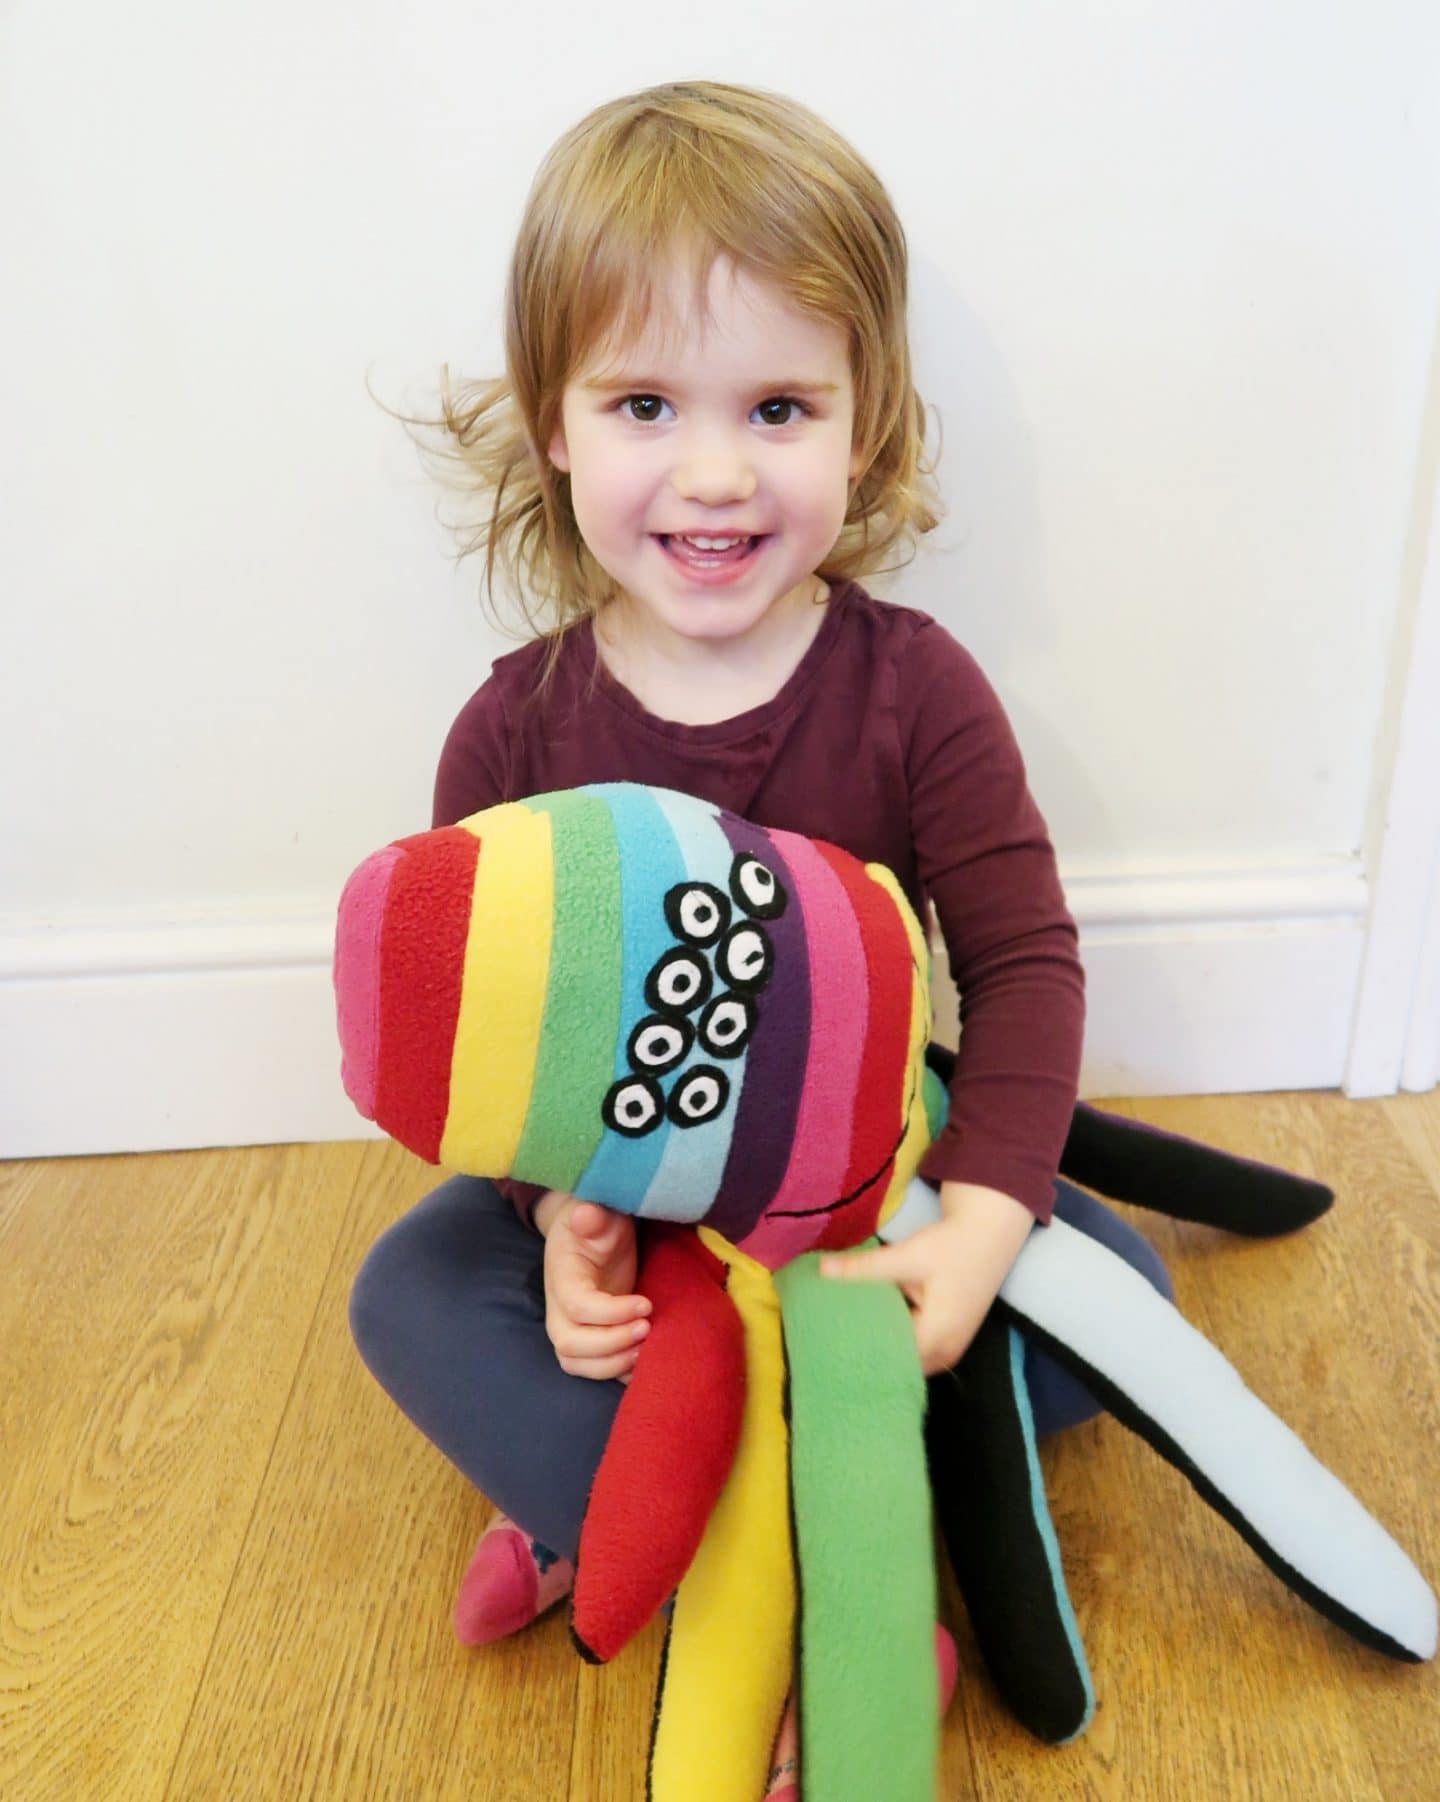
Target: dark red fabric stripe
x=422 y=962
x=877 y=1121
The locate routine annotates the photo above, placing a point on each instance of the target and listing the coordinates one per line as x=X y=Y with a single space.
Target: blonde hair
x=693 y=170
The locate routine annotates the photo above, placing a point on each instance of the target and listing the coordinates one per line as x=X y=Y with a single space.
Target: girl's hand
x=949 y=1272
x=593 y=1319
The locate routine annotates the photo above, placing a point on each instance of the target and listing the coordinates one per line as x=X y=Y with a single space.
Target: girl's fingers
x=575 y=1344
x=600 y=1368
x=885 y=1263
x=596 y=1307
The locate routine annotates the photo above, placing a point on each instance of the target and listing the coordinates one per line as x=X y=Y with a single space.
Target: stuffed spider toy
x=641 y=999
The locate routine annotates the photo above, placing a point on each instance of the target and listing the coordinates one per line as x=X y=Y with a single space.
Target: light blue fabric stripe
x=687 y=1181
x=1040 y=1509
x=622 y=1169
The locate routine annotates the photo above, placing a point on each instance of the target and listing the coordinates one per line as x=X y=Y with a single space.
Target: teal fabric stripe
x=937 y=1102
x=1040 y=1508
x=582 y=999
x=687 y=1181
x=622 y=1168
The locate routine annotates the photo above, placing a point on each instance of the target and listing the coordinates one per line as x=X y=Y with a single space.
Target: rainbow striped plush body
x=637 y=997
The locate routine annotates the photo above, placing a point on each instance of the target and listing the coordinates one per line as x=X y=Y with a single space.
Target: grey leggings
x=448 y=1311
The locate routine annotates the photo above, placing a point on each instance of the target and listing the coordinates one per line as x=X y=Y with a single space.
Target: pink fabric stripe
x=839 y=1013
x=357 y=975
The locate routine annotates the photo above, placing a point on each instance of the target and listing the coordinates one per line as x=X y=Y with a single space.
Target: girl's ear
x=559 y=451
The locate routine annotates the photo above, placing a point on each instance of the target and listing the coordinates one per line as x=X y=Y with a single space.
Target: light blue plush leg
x=1152 y=1369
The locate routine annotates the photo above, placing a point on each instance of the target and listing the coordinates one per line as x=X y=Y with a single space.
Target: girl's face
x=745 y=432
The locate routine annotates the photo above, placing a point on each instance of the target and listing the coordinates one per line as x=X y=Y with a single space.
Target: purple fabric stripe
x=774 y=1058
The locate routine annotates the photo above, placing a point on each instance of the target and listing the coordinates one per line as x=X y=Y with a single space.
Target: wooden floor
x=226 y=1561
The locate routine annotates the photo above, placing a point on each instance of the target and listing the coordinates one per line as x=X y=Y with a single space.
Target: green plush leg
x=869 y=1712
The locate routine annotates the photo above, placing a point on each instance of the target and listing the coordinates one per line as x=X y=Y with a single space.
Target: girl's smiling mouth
x=711 y=566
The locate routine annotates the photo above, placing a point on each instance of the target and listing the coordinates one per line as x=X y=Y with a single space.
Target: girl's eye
x=788 y=401
x=776 y=400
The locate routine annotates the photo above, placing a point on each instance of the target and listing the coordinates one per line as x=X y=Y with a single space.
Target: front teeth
x=710 y=544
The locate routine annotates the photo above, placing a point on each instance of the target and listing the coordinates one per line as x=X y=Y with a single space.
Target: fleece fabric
x=863 y=1539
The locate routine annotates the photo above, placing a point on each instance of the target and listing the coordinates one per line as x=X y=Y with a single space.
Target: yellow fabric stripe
x=502 y=993
x=917 y=1126
x=727 y=1667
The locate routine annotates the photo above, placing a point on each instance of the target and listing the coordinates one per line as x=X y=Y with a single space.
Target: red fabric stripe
x=877 y=1123
x=671 y=1445
x=422 y=963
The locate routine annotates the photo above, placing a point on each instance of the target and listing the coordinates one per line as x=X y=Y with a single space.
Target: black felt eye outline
x=727 y=1047
x=675 y=905
x=679 y=954
x=745 y=984
x=701 y=1076
x=771 y=900
x=684 y=1031
x=614 y=1095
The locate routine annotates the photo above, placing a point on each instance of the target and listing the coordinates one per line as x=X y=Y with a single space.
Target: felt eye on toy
x=697 y=912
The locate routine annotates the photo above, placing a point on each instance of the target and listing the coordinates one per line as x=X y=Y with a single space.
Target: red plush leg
x=670 y=1448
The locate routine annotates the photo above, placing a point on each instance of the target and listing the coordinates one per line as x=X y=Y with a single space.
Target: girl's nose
x=714 y=475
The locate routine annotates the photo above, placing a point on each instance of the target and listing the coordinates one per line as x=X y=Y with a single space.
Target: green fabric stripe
x=869 y=1712
x=575 y=1059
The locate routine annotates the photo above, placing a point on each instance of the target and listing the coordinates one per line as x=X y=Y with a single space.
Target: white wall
x=1175 y=290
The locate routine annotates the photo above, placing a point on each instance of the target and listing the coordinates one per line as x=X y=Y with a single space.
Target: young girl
x=706 y=434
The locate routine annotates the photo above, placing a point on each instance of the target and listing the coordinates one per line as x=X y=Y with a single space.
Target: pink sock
x=511 y=1579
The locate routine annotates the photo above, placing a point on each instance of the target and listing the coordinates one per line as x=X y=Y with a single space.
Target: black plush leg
x=994 y=1519
x=1129 y=1161
x=1175 y=1176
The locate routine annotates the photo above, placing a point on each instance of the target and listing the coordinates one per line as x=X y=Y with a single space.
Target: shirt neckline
x=739 y=725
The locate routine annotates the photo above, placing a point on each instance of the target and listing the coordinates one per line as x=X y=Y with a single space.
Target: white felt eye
x=697 y=912
x=658 y=1044
x=726 y=1024
x=633 y=1106
x=754 y=886
x=681 y=980
x=699 y=1097
x=745 y=957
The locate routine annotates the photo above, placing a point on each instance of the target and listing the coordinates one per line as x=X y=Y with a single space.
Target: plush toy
x=639 y=998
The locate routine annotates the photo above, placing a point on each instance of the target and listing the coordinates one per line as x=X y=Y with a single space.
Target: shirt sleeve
x=985 y=859
x=473 y=774
x=474 y=769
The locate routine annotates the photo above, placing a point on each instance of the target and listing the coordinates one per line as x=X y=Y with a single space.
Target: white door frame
x=1395 y=1036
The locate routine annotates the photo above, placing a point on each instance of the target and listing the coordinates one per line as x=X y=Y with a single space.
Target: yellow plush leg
x=727 y=1660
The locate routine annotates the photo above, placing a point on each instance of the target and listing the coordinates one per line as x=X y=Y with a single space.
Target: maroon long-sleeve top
x=887 y=740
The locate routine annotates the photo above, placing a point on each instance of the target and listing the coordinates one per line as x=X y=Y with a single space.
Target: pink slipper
x=511 y=1579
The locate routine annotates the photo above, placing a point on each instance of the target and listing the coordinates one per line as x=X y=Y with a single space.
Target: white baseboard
x=159 y=1034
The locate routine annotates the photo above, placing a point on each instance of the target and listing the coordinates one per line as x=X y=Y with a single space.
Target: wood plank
x=337 y=1673
x=19 y=1179
x=228 y=1561
x=151 y=1318
x=1416 y=1120
x=614 y=1706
